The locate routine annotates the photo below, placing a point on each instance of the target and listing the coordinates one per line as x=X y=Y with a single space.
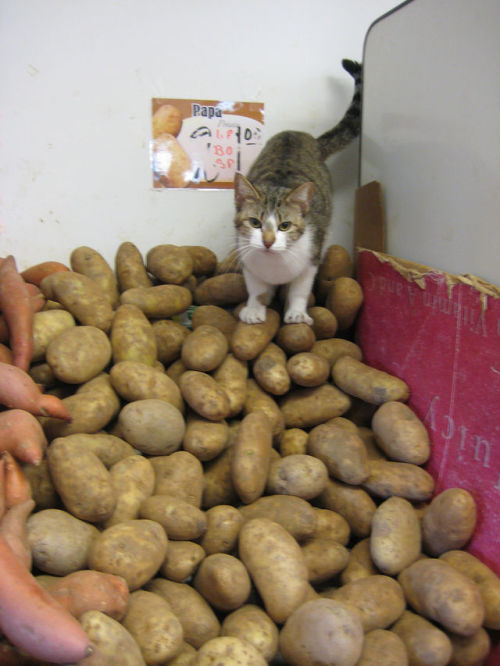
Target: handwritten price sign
x=201 y=144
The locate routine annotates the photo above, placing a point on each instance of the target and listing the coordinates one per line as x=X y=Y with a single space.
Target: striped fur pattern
x=283 y=210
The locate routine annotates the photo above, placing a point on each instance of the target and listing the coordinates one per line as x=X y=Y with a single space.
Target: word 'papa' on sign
x=201 y=144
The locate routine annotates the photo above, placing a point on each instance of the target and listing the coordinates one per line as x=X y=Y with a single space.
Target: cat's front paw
x=253 y=314
x=297 y=317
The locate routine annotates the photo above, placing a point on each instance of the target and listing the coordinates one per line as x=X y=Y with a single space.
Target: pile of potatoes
x=260 y=489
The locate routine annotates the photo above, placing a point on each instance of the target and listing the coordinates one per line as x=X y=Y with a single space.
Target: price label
x=200 y=144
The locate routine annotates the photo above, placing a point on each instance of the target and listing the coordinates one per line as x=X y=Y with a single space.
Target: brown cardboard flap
x=369 y=218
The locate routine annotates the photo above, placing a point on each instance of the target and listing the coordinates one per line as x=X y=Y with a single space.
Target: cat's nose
x=268 y=242
x=268 y=239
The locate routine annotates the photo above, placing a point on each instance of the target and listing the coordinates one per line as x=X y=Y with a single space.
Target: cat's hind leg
x=298 y=295
x=254 y=312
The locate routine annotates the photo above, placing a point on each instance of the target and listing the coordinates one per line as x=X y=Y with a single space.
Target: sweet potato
x=32 y=620
x=18 y=390
x=17 y=487
x=85 y=590
x=35 y=274
x=15 y=304
x=13 y=529
x=22 y=435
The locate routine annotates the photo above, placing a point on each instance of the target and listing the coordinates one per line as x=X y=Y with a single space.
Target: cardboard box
x=440 y=333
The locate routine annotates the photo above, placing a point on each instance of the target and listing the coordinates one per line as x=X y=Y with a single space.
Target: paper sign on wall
x=200 y=144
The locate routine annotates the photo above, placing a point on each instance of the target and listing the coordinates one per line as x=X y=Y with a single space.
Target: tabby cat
x=283 y=209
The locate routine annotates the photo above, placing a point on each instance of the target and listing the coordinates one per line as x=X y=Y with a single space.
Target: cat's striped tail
x=350 y=126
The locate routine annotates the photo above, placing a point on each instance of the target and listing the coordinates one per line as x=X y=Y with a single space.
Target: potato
x=185 y=656
x=81 y=480
x=360 y=564
x=133 y=381
x=232 y=375
x=132 y=479
x=331 y=525
x=108 y=448
x=204 y=349
x=170 y=336
x=342 y=452
x=324 y=324
x=180 y=519
x=332 y=349
x=114 y=645
x=182 y=560
x=344 y=298
x=216 y=316
x=152 y=426
x=292 y=441
x=179 y=474
x=424 y=642
x=78 y=354
x=223 y=581
x=41 y=373
x=324 y=558
x=353 y=503
x=47 y=325
x=308 y=369
x=401 y=434
x=59 y=542
x=223 y=526
x=129 y=267
x=167 y=118
x=204 y=395
x=487 y=582
x=336 y=262
x=443 y=594
x=198 y=620
x=170 y=264
x=270 y=371
x=81 y=296
x=204 y=260
x=396 y=478
x=301 y=475
x=363 y=381
x=250 y=623
x=90 y=262
x=41 y=485
x=249 y=340
x=258 y=400
x=205 y=439
x=251 y=456
x=308 y=407
x=378 y=599
x=132 y=337
x=134 y=549
x=175 y=370
x=160 y=301
x=294 y=514
x=449 y=521
x=322 y=631
x=470 y=650
x=382 y=646
x=295 y=338
x=228 y=650
x=218 y=485
x=155 y=627
x=276 y=565
x=221 y=290
x=396 y=538
x=172 y=165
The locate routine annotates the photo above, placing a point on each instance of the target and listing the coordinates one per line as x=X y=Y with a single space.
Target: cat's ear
x=301 y=196
x=244 y=190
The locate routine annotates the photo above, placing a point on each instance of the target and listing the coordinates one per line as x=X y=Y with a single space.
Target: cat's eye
x=254 y=222
x=284 y=226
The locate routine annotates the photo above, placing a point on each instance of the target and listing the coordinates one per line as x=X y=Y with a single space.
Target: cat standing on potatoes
x=283 y=209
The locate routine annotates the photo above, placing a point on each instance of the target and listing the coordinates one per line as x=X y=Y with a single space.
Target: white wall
x=76 y=82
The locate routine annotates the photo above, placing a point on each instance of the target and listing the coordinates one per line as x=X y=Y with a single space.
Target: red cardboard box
x=440 y=333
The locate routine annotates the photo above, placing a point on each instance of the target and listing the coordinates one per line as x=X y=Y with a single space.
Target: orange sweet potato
x=15 y=303
x=22 y=435
x=13 y=529
x=35 y=274
x=17 y=486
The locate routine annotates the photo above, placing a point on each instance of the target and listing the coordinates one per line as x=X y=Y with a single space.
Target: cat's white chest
x=279 y=265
